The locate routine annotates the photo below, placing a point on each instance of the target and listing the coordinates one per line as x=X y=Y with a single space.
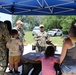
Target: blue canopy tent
x=38 y=7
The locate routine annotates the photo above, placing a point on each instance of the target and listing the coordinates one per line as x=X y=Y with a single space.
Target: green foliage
x=31 y=20
x=66 y=22
x=61 y=22
x=50 y=22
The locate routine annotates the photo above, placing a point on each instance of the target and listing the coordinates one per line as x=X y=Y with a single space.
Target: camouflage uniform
x=4 y=37
x=21 y=37
x=41 y=44
x=21 y=34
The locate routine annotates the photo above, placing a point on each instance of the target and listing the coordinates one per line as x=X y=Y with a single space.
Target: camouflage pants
x=2 y=66
x=21 y=49
x=3 y=59
x=40 y=49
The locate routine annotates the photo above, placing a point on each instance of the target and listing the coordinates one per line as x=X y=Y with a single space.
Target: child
x=14 y=53
x=48 y=60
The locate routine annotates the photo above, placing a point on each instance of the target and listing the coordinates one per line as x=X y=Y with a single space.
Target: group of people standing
x=11 y=42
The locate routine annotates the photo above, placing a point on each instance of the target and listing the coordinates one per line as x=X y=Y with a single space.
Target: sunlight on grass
x=55 y=40
x=29 y=38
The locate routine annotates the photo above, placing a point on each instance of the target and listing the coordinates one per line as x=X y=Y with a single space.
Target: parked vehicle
x=55 y=32
x=35 y=30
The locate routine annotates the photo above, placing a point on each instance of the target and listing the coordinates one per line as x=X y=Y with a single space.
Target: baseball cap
x=41 y=26
x=19 y=22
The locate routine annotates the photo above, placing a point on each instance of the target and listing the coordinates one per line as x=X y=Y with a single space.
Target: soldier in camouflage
x=41 y=37
x=21 y=33
x=4 y=37
x=20 y=30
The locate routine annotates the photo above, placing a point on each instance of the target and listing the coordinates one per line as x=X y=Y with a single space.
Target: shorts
x=68 y=69
x=14 y=59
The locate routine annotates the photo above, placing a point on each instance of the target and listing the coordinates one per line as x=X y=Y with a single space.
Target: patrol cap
x=19 y=22
x=41 y=26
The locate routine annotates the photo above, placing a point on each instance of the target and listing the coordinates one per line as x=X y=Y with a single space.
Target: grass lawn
x=55 y=40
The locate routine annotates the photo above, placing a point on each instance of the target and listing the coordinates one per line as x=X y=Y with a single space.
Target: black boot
x=10 y=71
x=16 y=71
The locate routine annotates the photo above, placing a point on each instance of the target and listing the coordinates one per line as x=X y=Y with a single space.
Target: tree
x=50 y=22
x=31 y=20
